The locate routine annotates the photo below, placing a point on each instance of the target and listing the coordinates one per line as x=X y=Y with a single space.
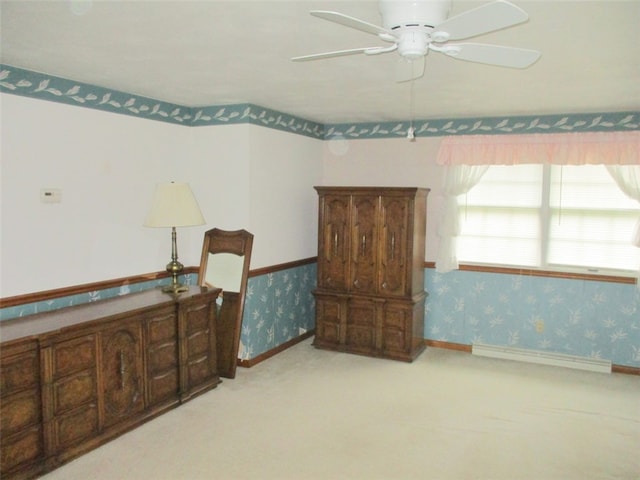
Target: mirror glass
x=224 y=270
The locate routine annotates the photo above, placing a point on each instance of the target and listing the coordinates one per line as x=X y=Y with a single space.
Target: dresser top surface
x=58 y=321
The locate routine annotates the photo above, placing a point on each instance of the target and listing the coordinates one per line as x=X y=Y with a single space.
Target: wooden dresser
x=76 y=378
x=370 y=297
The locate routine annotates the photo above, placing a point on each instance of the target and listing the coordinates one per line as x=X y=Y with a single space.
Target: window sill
x=598 y=277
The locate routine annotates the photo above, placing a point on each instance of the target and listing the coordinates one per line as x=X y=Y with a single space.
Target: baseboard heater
x=544 y=358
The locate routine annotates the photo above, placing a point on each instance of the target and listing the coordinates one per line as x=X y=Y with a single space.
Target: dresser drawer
x=162 y=356
x=163 y=386
x=20 y=449
x=18 y=372
x=162 y=325
x=73 y=427
x=199 y=343
x=20 y=411
x=74 y=355
x=198 y=318
x=73 y=391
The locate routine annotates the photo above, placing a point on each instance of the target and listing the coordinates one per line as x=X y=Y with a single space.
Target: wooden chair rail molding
x=92 y=287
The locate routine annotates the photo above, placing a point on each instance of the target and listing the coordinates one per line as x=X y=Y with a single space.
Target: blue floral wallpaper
x=575 y=317
x=278 y=307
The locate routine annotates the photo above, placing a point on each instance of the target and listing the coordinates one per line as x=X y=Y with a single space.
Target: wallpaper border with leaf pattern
x=27 y=83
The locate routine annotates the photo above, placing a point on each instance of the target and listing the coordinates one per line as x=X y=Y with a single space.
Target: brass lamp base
x=175 y=289
x=174 y=267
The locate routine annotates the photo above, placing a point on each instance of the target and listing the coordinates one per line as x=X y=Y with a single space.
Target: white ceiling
x=201 y=53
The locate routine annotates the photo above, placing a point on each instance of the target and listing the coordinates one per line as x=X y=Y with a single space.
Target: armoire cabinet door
x=331 y=315
x=122 y=373
x=362 y=323
x=334 y=242
x=364 y=243
x=395 y=259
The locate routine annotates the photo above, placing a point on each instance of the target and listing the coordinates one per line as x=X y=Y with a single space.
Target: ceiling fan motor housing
x=400 y=13
x=412 y=23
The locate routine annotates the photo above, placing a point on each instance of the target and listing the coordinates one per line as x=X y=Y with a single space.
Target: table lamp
x=174 y=206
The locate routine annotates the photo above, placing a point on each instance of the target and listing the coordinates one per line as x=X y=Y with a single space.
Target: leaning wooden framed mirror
x=224 y=264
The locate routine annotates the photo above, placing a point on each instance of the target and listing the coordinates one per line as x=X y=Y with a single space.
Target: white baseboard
x=544 y=358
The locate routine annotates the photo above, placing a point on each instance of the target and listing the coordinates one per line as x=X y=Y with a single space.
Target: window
x=550 y=217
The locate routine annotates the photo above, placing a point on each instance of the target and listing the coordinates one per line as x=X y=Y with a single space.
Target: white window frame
x=545 y=218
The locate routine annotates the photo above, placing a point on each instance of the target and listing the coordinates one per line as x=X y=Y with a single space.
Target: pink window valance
x=603 y=148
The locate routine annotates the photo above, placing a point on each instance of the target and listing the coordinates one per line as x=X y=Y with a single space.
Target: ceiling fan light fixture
x=413 y=43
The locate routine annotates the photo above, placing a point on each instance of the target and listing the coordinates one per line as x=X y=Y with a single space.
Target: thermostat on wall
x=51 y=195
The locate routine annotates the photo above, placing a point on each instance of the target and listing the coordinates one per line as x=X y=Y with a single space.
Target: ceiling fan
x=416 y=27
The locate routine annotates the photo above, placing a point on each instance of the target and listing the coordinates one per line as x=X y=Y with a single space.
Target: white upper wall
x=106 y=166
x=284 y=205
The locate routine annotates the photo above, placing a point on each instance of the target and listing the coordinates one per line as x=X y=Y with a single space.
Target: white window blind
x=549 y=217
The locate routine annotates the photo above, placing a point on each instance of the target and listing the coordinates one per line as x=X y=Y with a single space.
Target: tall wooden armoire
x=370 y=296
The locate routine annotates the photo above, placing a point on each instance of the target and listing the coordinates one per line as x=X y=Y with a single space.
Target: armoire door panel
x=396 y=327
x=394 y=263
x=330 y=312
x=334 y=243
x=364 y=244
x=361 y=325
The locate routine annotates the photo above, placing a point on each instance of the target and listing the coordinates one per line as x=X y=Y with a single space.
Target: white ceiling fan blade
x=407 y=70
x=339 y=53
x=491 y=54
x=486 y=18
x=352 y=22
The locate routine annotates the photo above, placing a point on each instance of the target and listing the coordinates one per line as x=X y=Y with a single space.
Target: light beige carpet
x=313 y=414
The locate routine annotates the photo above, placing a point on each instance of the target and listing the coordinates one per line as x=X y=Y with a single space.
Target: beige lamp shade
x=174 y=205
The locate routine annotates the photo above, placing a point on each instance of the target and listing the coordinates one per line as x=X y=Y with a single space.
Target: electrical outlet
x=540 y=326
x=51 y=195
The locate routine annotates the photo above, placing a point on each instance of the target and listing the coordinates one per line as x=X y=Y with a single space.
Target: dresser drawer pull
x=393 y=245
x=122 y=370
